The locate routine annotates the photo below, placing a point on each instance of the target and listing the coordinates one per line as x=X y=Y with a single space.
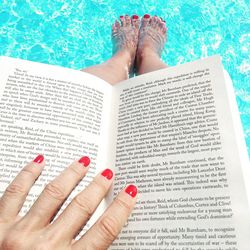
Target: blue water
x=76 y=34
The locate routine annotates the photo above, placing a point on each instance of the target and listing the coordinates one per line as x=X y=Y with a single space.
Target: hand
x=36 y=231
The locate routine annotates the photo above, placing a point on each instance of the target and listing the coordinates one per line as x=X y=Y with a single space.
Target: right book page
x=178 y=137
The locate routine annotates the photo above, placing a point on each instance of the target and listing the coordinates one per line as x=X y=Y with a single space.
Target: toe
x=117 y=24
x=158 y=23
x=145 y=20
x=135 y=21
x=154 y=22
x=115 y=27
x=122 y=19
x=127 y=21
x=162 y=19
x=163 y=27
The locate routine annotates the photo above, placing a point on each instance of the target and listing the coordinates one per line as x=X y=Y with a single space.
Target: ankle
x=122 y=58
x=145 y=54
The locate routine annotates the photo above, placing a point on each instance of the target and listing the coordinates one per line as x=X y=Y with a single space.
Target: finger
x=106 y=229
x=16 y=193
x=82 y=207
x=54 y=195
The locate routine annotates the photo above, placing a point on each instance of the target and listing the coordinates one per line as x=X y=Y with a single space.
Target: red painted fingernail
x=121 y=16
x=146 y=16
x=135 y=17
x=84 y=161
x=107 y=173
x=39 y=159
x=131 y=190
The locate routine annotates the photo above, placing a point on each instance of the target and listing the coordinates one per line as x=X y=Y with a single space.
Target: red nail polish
x=131 y=190
x=121 y=16
x=135 y=17
x=107 y=173
x=39 y=159
x=84 y=161
x=146 y=16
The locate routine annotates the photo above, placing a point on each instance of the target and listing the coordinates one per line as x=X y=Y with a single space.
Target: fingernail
x=121 y=16
x=107 y=173
x=146 y=16
x=131 y=190
x=39 y=159
x=84 y=161
x=135 y=17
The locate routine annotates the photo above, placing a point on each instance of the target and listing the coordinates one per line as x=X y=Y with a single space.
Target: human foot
x=125 y=37
x=152 y=36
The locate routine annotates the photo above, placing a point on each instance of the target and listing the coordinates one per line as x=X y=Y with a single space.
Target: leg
x=125 y=39
x=152 y=38
x=149 y=61
x=114 y=70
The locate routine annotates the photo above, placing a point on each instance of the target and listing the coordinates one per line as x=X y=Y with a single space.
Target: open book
x=175 y=133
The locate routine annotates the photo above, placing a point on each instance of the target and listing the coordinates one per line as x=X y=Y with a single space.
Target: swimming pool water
x=76 y=34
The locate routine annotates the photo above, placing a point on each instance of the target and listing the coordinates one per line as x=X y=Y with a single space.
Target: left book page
x=58 y=112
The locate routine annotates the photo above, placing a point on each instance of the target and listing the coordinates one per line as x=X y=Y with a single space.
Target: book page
x=60 y=113
x=176 y=140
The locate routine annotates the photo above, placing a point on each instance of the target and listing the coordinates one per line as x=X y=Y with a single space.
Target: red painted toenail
x=146 y=16
x=135 y=17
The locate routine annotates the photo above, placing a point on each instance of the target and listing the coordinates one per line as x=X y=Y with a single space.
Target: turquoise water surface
x=76 y=34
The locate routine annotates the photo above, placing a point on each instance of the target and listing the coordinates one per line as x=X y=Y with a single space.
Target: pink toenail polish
x=135 y=17
x=146 y=16
x=107 y=173
x=39 y=159
x=131 y=190
x=84 y=161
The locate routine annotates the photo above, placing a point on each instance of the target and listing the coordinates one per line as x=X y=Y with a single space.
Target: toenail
x=146 y=16
x=135 y=17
